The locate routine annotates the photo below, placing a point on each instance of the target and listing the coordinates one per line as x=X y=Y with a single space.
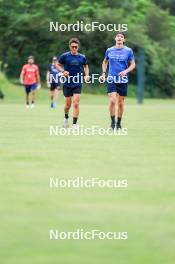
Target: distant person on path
x=30 y=78
x=53 y=82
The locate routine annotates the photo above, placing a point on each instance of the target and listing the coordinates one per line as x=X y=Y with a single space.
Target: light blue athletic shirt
x=119 y=59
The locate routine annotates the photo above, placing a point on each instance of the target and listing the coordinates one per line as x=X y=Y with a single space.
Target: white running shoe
x=32 y=105
x=75 y=126
x=65 y=124
x=27 y=105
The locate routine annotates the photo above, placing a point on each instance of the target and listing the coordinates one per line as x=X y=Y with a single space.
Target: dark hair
x=74 y=40
x=122 y=33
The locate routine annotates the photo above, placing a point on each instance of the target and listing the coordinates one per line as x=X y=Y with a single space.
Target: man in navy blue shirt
x=72 y=64
x=121 y=61
x=53 y=82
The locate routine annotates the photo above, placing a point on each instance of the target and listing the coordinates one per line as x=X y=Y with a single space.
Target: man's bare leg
x=27 y=98
x=67 y=106
x=120 y=110
x=76 y=108
x=112 y=105
x=53 y=97
x=33 y=97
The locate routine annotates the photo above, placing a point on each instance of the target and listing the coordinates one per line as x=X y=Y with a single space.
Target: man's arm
x=22 y=76
x=48 y=76
x=59 y=67
x=48 y=79
x=38 y=77
x=104 y=68
x=86 y=72
x=129 y=69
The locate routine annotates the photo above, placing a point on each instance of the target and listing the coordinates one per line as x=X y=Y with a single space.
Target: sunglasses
x=74 y=47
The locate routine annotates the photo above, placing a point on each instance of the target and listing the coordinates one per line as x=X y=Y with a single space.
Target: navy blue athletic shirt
x=54 y=72
x=74 y=65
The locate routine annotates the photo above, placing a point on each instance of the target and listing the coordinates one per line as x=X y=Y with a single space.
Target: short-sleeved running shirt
x=74 y=65
x=30 y=73
x=119 y=59
x=54 y=78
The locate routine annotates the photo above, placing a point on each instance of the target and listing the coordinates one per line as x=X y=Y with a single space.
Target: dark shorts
x=70 y=91
x=120 y=88
x=31 y=87
x=54 y=86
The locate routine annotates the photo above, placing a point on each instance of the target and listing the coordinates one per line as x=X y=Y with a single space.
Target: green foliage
x=24 y=30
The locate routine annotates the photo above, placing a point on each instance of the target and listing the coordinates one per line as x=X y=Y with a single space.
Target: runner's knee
x=68 y=102
x=76 y=103
x=112 y=101
x=121 y=102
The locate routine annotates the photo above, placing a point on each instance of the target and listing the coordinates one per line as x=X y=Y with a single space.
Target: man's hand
x=48 y=84
x=103 y=76
x=39 y=86
x=65 y=73
x=123 y=73
x=86 y=78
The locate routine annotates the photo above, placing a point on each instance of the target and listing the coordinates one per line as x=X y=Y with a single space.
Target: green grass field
x=29 y=208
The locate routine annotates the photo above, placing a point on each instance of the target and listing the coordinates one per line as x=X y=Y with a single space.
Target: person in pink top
x=30 y=78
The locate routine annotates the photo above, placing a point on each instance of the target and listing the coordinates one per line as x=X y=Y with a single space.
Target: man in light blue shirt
x=121 y=61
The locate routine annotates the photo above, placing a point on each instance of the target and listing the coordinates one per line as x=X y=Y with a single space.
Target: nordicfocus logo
x=81 y=234
x=81 y=182
x=93 y=78
x=86 y=131
x=88 y=27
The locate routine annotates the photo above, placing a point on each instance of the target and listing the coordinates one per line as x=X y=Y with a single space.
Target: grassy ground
x=29 y=157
